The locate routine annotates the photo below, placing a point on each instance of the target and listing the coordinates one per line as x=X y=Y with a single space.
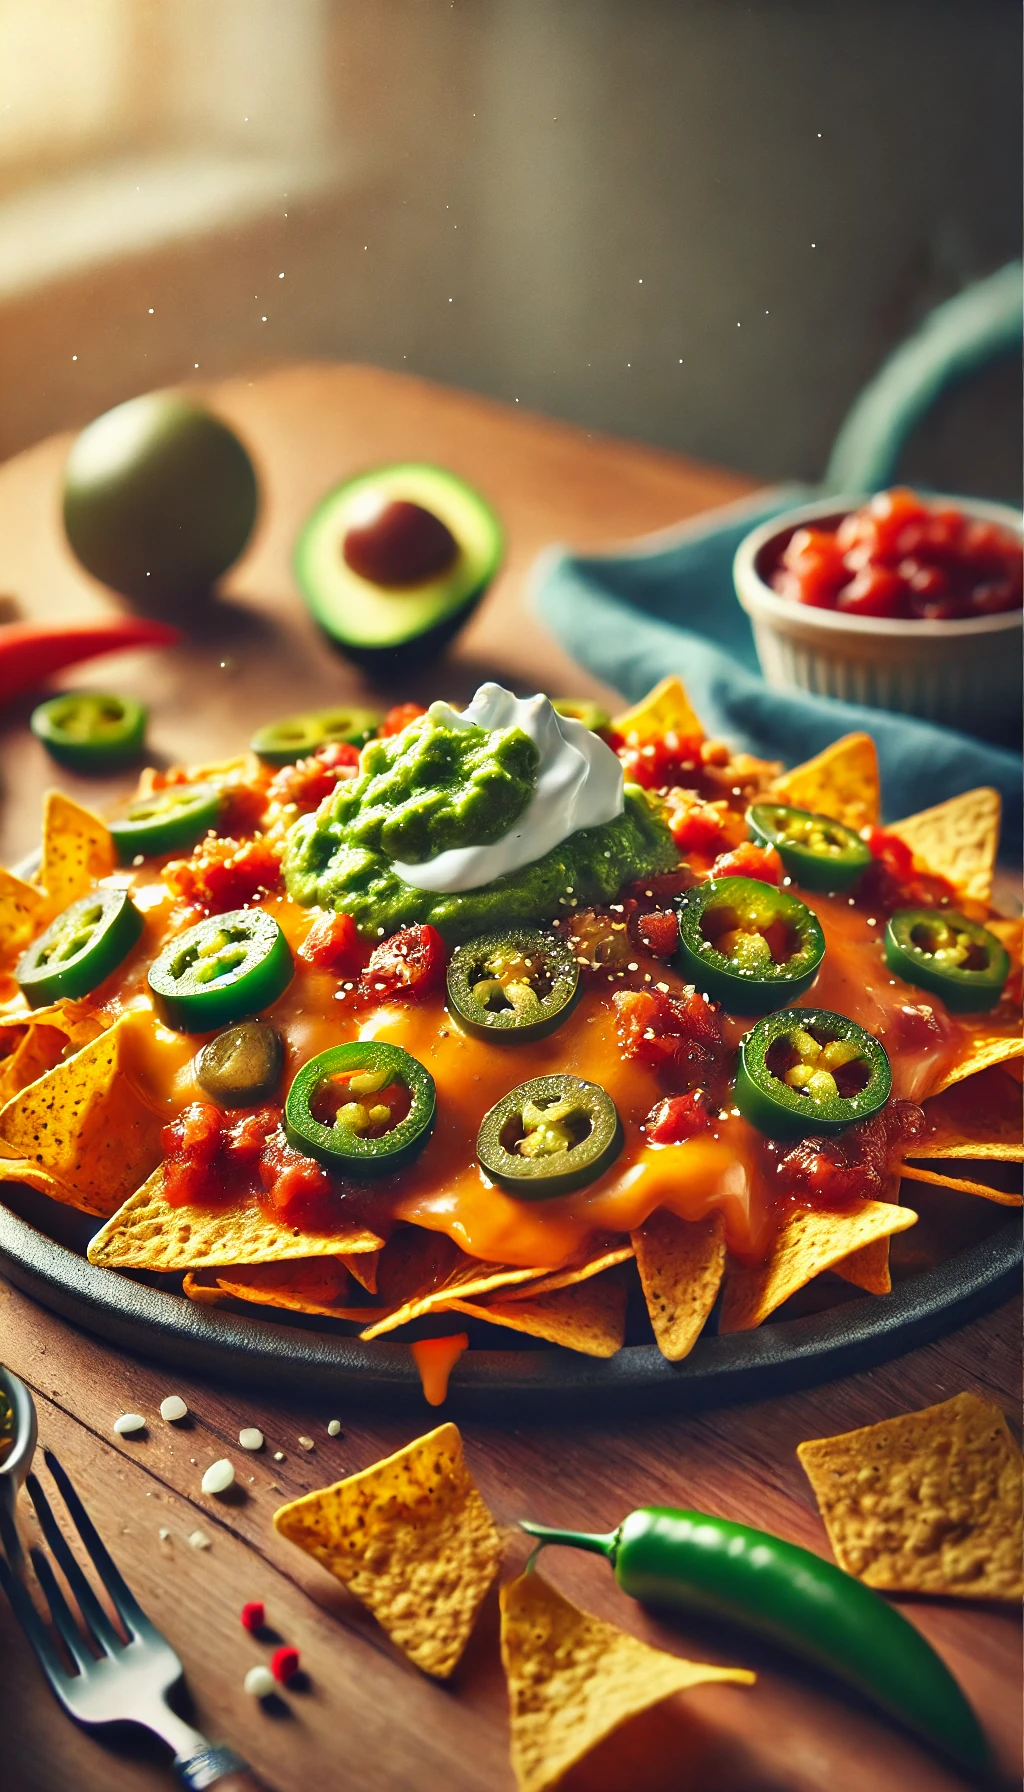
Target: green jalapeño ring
x=89 y=732
x=169 y=820
x=295 y=737
x=80 y=948
x=941 y=951
x=361 y=1139
x=807 y=1070
x=817 y=852
x=513 y=986
x=550 y=1136
x=748 y=945
x=225 y=969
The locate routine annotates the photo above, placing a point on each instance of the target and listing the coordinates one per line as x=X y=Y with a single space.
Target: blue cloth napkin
x=666 y=604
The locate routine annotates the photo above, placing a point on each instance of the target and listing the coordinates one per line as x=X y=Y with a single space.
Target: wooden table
x=366 y=1719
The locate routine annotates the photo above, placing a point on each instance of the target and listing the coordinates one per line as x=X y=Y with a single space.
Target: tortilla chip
x=77 y=850
x=307 y=1285
x=40 y=1040
x=811 y=1241
x=958 y=839
x=665 y=710
x=148 y=1233
x=363 y=1266
x=589 y=1317
x=986 y=1050
x=573 y=1679
x=681 y=1264
x=23 y=910
x=412 y=1539
x=867 y=1268
x=84 y=1124
x=963 y=1185
x=423 y=1272
x=842 y=782
x=926 y=1503
x=981 y=1118
x=599 y=1258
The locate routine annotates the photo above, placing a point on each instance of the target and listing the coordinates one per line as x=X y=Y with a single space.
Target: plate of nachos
x=567 y=1057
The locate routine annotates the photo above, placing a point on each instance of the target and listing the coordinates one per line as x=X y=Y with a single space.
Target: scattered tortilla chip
x=681 y=1264
x=589 y=1317
x=841 y=782
x=926 y=1503
x=666 y=709
x=423 y=1272
x=23 y=910
x=964 y=1185
x=811 y=1241
x=84 y=1124
x=573 y=1679
x=600 y=1258
x=959 y=839
x=981 y=1118
x=412 y=1539
x=148 y=1233
x=986 y=1050
x=77 y=850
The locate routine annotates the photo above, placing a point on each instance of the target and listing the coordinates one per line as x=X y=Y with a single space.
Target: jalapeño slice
x=88 y=732
x=807 y=1070
x=338 y=1109
x=549 y=1136
x=80 y=948
x=512 y=986
x=952 y=957
x=225 y=968
x=748 y=945
x=819 y=853
x=166 y=821
x=295 y=737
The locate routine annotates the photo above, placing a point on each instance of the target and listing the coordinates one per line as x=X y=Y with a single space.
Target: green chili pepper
x=167 y=821
x=807 y=1070
x=221 y=970
x=941 y=951
x=819 y=853
x=80 y=948
x=727 y=1571
x=513 y=986
x=88 y=732
x=549 y=1136
x=748 y=945
x=281 y=743
x=362 y=1139
x=581 y=709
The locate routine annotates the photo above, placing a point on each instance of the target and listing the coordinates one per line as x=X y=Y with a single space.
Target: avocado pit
x=396 y=543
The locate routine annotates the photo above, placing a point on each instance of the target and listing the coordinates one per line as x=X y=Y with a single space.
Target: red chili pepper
x=284 y=1663
x=30 y=651
x=253 y=1615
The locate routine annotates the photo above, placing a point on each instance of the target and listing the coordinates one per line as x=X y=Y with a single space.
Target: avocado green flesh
x=366 y=618
x=433 y=787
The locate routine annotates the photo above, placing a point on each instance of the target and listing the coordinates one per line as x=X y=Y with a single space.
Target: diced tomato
x=191 y=1144
x=658 y=931
x=697 y=827
x=657 y=764
x=288 y=1176
x=747 y=860
x=812 y=568
x=333 y=944
x=308 y=781
x=680 y=1117
x=223 y=873
x=242 y=806
x=407 y=967
x=891 y=848
x=676 y=1033
x=873 y=591
x=399 y=717
x=853 y=1167
x=247 y=1133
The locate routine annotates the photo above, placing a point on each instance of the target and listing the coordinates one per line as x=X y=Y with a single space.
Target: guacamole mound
x=431 y=788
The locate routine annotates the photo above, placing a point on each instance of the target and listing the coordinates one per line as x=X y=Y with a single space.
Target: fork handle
x=217 y=1765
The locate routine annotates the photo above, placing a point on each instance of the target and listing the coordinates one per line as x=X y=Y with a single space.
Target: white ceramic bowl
x=965 y=674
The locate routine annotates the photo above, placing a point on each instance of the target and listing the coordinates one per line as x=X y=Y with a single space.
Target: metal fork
x=127 y=1682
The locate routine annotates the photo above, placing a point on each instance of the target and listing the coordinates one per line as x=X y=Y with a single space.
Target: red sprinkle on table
x=253 y=1615
x=284 y=1664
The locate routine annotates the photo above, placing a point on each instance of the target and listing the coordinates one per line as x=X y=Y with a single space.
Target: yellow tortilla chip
x=665 y=710
x=85 y=1125
x=980 y=1118
x=599 y=1258
x=23 y=910
x=363 y=1266
x=573 y=1679
x=412 y=1539
x=841 y=782
x=963 y=1185
x=304 y=1285
x=926 y=1503
x=423 y=1272
x=681 y=1264
x=148 y=1233
x=983 y=1052
x=959 y=839
x=77 y=850
x=867 y=1268
x=811 y=1241
x=589 y=1316
x=40 y=1040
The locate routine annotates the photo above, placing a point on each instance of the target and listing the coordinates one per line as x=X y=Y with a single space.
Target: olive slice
x=512 y=986
x=242 y=1065
x=549 y=1136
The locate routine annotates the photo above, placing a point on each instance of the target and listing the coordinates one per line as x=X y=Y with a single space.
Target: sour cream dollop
x=579 y=785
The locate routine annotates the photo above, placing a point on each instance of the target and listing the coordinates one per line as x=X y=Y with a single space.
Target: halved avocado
x=379 y=624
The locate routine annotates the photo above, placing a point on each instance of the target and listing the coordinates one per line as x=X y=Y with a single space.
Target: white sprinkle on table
x=173 y=1408
x=259 y=1682
x=129 y=1423
x=306 y=1443
x=219 y=1476
x=199 y=1540
x=334 y=1428
x=250 y=1438
x=279 y=1456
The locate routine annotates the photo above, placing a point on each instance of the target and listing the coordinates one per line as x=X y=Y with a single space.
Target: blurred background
x=695 y=222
